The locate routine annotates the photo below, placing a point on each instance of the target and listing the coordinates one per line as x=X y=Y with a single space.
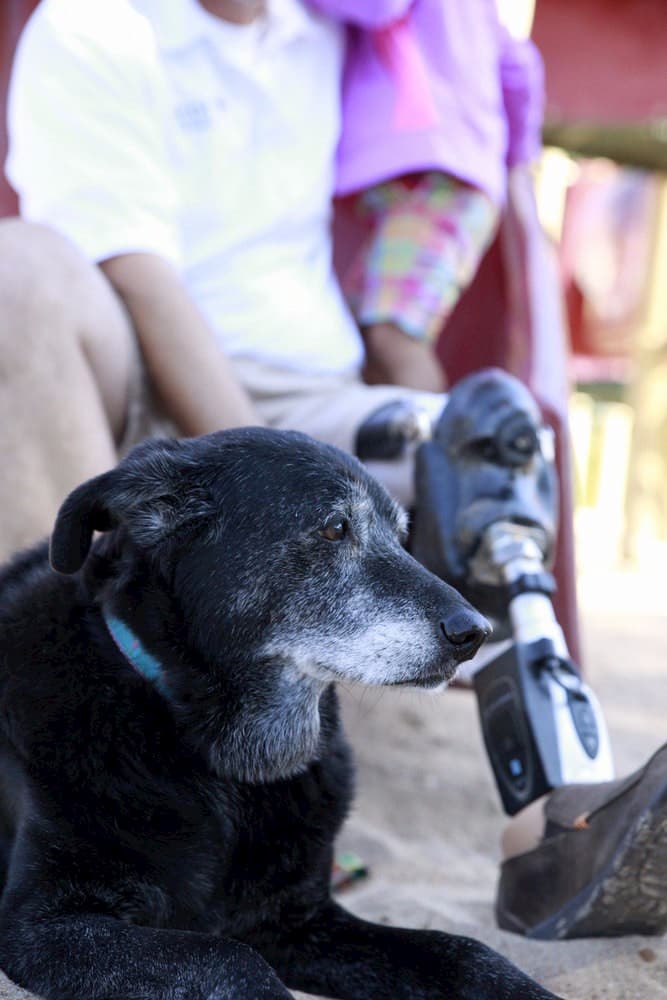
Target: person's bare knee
x=54 y=301
x=67 y=360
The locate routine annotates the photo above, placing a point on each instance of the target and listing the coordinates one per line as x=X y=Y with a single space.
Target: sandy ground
x=428 y=820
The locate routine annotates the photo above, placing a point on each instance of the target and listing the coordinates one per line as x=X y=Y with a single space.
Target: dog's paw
x=267 y=989
x=484 y=974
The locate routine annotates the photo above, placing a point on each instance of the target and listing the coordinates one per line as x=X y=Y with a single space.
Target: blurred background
x=601 y=193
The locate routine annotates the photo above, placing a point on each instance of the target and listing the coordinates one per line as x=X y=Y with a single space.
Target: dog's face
x=281 y=559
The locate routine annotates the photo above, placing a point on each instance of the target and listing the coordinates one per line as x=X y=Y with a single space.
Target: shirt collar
x=180 y=23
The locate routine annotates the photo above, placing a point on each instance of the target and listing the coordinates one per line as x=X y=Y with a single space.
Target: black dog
x=174 y=772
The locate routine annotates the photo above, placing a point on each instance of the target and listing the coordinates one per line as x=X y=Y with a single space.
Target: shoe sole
x=629 y=895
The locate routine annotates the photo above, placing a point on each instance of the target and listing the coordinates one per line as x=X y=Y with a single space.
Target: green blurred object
x=348 y=868
x=632 y=144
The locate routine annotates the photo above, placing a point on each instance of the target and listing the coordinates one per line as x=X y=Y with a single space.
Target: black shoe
x=485 y=464
x=601 y=869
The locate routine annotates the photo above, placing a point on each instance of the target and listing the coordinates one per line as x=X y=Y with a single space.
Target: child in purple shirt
x=438 y=102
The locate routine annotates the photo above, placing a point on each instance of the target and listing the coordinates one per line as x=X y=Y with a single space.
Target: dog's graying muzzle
x=465 y=630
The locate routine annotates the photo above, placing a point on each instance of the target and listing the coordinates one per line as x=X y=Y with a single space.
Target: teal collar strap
x=132 y=649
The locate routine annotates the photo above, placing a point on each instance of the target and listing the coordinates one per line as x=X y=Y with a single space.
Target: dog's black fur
x=174 y=840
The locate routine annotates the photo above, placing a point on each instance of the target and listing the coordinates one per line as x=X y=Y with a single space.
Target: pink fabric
x=397 y=47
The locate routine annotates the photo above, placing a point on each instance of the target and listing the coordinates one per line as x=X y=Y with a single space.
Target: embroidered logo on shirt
x=197 y=115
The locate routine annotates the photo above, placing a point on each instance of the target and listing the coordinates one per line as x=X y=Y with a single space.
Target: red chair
x=511 y=316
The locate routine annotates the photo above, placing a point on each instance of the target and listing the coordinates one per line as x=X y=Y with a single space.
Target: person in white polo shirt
x=187 y=149
x=192 y=157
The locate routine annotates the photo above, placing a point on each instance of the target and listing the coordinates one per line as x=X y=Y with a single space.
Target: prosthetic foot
x=490 y=460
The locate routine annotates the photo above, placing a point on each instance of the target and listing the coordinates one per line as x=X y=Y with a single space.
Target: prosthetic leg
x=542 y=726
x=485 y=521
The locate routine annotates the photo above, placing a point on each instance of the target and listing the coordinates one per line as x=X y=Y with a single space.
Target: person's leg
x=67 y=361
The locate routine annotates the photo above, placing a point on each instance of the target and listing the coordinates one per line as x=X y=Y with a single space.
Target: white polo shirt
x=150 y=125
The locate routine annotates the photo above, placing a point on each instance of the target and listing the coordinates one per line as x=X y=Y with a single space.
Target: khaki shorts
x=330 y=408
x=145 y=415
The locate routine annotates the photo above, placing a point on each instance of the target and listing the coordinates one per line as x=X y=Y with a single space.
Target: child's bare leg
x=67 y=355
x=394 y=357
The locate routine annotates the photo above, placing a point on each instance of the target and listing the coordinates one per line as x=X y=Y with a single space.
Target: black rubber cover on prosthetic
x=386 y=433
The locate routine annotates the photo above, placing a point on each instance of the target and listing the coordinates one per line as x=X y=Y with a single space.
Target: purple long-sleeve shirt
x=435 y=84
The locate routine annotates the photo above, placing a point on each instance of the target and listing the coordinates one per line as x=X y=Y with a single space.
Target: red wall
x=605 y=59
x=13 y=15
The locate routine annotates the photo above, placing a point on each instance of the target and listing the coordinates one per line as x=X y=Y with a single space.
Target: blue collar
x=130 y=646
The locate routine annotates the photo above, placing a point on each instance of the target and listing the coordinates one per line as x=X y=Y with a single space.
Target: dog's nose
x=466 y=631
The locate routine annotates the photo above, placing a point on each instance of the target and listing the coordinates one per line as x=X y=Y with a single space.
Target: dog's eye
x=335 y=529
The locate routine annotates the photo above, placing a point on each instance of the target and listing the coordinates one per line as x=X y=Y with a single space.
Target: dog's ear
x=139 y=492
x=86 y=509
